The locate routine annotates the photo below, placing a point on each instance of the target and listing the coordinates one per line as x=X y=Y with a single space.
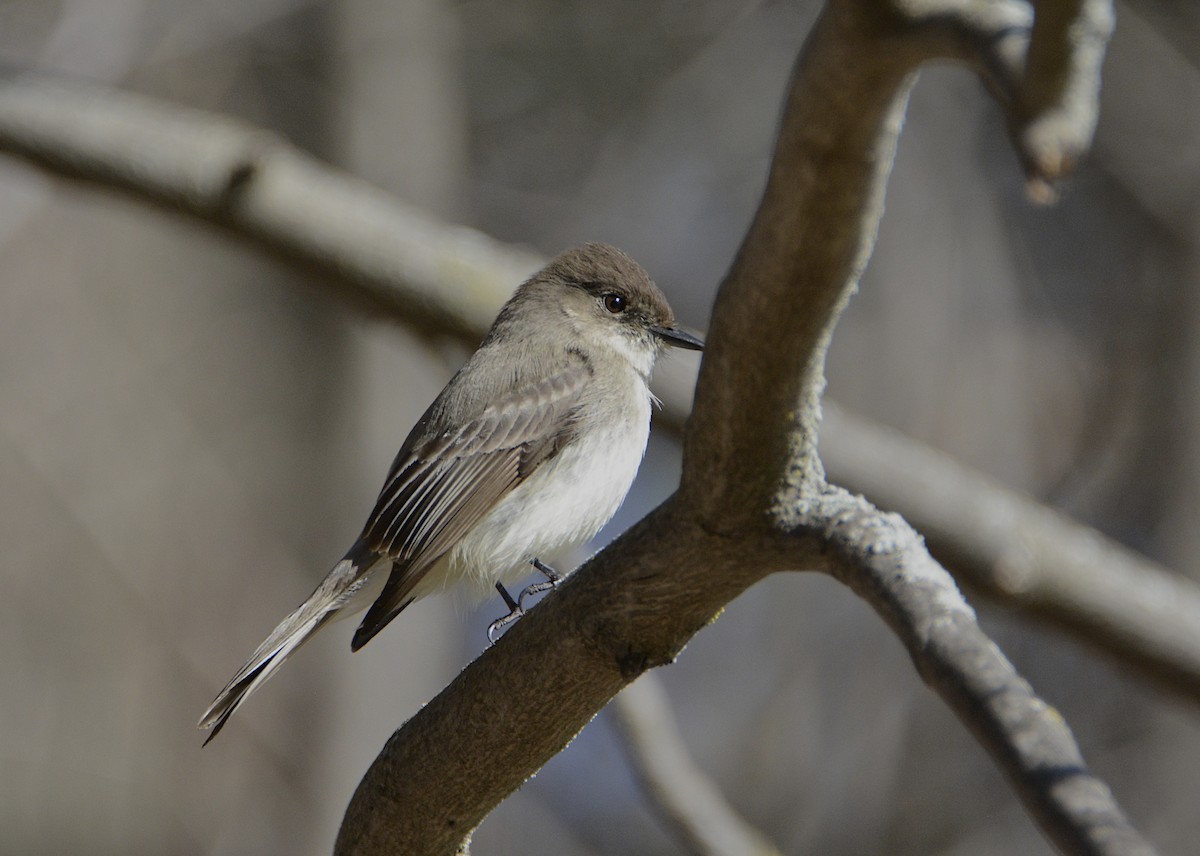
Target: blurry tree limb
x=1058 y=97
x=678 y=789
x=385 y=256
x=1026 y=555
x=734 y=519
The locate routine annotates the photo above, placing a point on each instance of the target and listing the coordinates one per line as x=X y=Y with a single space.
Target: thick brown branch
x=773 y=320
x=631 y=608
x=773 y=315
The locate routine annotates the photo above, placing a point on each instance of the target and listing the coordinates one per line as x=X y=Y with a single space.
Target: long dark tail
x=336 y=591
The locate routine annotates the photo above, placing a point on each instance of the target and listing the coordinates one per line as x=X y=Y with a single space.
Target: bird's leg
x=516 y=608
x=514 y=612
x=553 y=578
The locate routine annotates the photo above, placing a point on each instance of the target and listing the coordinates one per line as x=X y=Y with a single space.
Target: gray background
x=191 y=434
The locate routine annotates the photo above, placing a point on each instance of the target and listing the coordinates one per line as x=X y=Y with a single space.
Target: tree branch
x=773 y=320
x=385 y=256
x=630 y=608
x=1058 y=97
x=399 y=259
x=679 y=790
x=772 y=323
x=1025 y=555
x=635 y=605
x=881 y=558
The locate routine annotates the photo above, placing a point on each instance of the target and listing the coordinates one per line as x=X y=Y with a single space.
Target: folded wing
x=446 y=485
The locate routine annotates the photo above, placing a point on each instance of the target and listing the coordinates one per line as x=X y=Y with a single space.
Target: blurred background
x=190 y=434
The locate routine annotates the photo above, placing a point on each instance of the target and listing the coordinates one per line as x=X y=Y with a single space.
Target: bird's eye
x=615 y=303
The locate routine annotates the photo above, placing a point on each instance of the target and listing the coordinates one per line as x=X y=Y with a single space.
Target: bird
x=527 y=452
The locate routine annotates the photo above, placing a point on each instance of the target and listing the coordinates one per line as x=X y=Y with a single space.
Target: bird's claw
x=500 y=623
x=514 y=612
x=516 y=608
x=553 y=578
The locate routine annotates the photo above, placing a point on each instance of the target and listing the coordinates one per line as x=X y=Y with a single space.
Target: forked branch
x=753 y=499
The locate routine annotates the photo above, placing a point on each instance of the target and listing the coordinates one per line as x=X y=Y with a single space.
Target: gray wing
x=447 y=484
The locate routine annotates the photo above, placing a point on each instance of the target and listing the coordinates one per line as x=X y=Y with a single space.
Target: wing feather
x=448 y=484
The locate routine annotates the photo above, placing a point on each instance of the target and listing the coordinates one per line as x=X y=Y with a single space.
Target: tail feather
x=255 y=673
x=339 y=591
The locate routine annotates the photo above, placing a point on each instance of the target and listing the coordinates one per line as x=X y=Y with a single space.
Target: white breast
x=559 y=507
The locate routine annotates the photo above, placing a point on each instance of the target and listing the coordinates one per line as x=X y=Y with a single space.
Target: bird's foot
x=553 y=578
x=515 y=611
x=516 y=608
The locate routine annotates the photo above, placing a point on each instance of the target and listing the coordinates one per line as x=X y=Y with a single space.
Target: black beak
x=678 y=338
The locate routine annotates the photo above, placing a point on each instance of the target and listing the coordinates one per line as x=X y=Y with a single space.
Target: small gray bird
x=528 y=451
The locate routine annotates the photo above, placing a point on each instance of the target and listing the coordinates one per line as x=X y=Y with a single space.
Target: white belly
x=559 y=507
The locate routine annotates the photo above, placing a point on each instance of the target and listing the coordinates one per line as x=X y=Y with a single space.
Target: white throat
x=638 y=355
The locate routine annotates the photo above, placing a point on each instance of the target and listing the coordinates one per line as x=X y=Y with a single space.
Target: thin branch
x=1137 y=610
x=1016 y=551
x=679 y=790
x=885 y=561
